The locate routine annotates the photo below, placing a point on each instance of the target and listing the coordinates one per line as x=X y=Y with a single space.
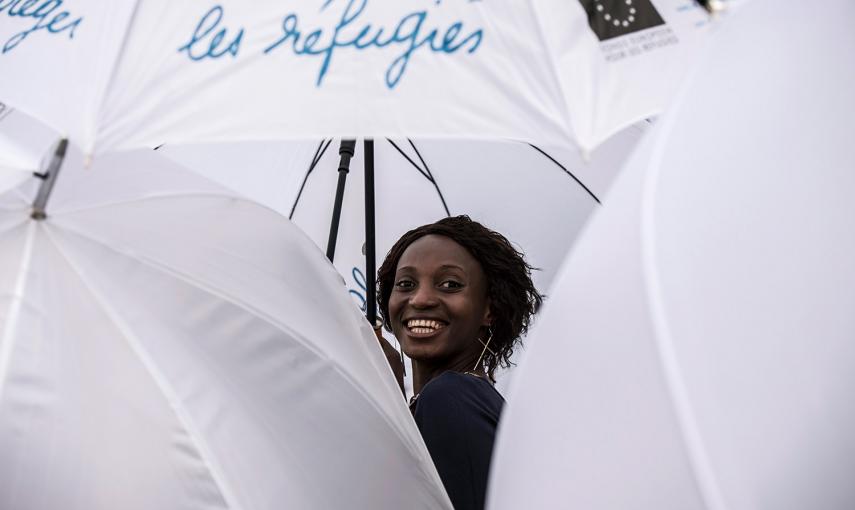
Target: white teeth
x=424 y=325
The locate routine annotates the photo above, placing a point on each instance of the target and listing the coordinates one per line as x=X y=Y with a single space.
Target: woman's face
x=439 y=303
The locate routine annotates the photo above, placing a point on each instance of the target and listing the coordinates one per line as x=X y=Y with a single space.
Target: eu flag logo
x=614 y=18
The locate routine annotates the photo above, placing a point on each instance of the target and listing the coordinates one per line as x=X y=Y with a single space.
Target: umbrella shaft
x=48 y=181
x=370 y=257
x=346 y=151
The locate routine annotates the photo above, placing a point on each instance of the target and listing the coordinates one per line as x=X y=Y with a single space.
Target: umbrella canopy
x=23 y=144
x=537 y=197
x=697 y=350
x=167 y=344
x=137 y=73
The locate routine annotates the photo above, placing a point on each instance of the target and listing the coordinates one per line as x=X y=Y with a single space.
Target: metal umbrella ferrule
x=713 y=7
x=48 y=180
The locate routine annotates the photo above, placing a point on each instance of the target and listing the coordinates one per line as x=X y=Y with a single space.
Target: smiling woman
x=458 y=296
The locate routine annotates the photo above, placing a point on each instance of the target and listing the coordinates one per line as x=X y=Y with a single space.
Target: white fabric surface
x=24 y=144
x=697 y=351
x=166 y=344
x=138 y=73
x=611 y=83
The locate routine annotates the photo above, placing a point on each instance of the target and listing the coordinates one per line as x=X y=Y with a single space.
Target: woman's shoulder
x=460 y=388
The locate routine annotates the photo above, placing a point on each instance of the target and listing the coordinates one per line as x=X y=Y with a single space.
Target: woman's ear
x=488 y=315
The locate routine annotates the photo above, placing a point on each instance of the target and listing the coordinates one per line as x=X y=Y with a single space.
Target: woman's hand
x=392 y=356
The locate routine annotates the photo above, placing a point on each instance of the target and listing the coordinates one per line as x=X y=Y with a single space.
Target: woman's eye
x=450 y=284
x=404 y=284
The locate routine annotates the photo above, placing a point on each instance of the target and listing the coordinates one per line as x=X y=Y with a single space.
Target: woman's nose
x=423 y=297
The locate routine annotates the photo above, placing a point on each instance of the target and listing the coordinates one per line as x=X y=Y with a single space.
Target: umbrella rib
x=201 y=285
x=425 y=172
x=160 y=380
x=15 y=307
x=407 y=157
x=568 y=172
x=319 y=153
x=432 y=178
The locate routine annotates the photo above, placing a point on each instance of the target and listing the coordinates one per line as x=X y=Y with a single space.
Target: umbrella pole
x=48 y=179
x=370 y=257
x=370 y=244
x=345 y=151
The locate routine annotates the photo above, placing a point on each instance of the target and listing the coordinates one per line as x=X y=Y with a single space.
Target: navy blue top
x=457 y=416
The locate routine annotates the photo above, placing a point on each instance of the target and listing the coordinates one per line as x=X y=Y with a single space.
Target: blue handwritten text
x=47 y=14
x=410 y=33
x=359 y=279
x=201 y=46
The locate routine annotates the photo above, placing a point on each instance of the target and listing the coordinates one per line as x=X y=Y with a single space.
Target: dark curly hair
x=513 y=297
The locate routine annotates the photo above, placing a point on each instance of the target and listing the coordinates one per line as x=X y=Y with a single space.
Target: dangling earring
x=486 y=347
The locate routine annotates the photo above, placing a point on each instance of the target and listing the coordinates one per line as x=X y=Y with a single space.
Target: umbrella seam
x=26 y=199
x=565 y=111
x=159 y=196
x=696 y=452
x=210 y=289
x=162 y=383
x=6 y=347
x=112 y=77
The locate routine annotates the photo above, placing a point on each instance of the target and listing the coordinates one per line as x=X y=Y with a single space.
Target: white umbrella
x=136 y=73
x=167 y=344
x=145 y=72
x=697 y=351
x=538 y=197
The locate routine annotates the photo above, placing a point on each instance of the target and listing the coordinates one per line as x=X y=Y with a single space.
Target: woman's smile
x=424 y=328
